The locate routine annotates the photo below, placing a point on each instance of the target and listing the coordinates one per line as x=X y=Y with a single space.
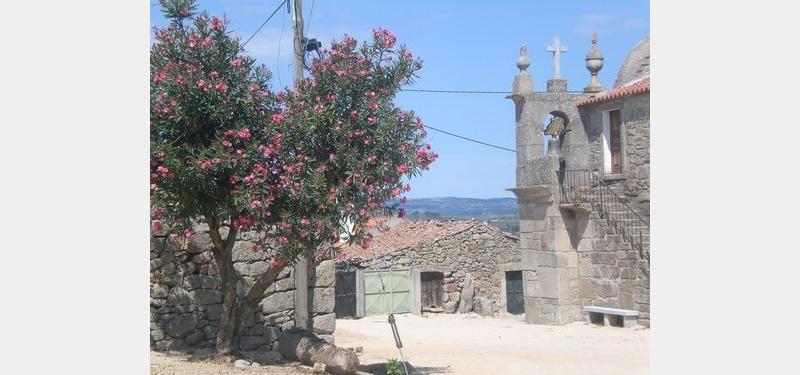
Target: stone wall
x=186 y=298
x=481 y=253
x=635 y=111
x=611 y=273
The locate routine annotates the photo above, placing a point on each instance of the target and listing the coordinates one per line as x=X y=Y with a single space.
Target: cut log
x=301 y=345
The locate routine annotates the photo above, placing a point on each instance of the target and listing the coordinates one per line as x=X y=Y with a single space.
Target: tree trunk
x=229 y=324
x=233 y=307
x=228 y=335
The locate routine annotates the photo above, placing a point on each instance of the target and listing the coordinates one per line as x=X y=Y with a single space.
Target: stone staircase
x=621 y=222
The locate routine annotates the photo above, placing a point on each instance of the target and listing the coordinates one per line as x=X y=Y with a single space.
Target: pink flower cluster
x=425 y=156
x=158 y=227
x=402 y=168
x=243 y=222
x=217 y=24
x=384 y=37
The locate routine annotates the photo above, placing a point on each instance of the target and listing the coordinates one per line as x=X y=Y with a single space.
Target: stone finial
x=523 y=62
x=523 y=82
x=594 y=62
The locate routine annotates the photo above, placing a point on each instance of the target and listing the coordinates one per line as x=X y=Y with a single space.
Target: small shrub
x=394 y=367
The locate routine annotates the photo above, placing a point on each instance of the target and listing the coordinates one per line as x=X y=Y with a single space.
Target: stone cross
x=556 y=49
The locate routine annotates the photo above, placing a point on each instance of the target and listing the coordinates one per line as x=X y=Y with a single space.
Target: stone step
x=628 y=218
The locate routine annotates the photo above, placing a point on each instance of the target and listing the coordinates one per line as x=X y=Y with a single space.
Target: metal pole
x=397 y=341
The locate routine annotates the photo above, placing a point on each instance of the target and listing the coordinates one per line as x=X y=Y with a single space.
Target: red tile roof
x=630 y=88
x=407 y=234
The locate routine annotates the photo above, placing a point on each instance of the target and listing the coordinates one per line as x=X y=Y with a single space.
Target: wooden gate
x=431 y=288
x=345 y=294
x=514 y=300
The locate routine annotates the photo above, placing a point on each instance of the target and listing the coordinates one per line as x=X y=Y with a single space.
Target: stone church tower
x=584 y=223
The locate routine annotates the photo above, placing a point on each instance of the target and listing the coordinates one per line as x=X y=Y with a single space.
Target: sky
x=464 y=45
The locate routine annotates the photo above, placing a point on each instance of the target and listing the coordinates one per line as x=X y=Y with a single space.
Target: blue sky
x=465 y=45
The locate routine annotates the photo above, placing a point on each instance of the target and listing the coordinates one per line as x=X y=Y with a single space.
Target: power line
x=265 y=22
x=308 y=24
x=459 y=91
x=469 y=139
x=478 y=91
x=280 y=40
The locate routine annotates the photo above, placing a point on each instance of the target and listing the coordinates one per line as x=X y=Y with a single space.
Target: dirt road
x=470 y=344
x=186 y=364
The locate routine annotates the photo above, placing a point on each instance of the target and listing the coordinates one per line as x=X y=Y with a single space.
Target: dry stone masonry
x=186 y=301
x=472 y=257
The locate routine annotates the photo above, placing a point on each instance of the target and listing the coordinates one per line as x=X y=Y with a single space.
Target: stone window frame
x=605 y=144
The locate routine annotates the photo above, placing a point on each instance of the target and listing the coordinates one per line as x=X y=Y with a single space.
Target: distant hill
x=461 y=208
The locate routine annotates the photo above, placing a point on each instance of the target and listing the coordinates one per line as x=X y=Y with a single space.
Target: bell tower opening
x=555 y=125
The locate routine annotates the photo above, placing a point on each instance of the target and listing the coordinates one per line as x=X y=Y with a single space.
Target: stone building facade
x=584 y=203
x=186 y=297
x=472 y=257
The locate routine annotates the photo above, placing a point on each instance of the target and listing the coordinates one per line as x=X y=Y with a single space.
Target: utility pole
x=301 y=268
x=299 y=48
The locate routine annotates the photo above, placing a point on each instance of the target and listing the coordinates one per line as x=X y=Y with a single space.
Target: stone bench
x=610 y=316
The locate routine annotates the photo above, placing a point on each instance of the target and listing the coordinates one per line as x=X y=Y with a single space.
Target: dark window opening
x=615 y=143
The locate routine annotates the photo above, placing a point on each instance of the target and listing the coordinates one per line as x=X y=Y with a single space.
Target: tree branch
x=257 y=290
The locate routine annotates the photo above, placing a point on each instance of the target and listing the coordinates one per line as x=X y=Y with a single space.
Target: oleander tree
x=290 y=166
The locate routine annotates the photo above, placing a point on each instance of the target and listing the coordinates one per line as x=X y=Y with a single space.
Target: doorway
x=514 y=301
x=345 y=291
x=431 y=289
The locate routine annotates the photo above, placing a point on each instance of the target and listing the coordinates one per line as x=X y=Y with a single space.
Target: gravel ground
x=470 y=344
x=187 y=364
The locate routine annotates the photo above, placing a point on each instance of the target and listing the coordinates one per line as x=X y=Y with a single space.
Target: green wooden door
x=387 y=292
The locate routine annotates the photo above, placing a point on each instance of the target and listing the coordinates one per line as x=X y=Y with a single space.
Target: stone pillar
x=415 y=292
x=360 y=305
x=547 y=252
x=530 y=140
x=301 y=294
x=548 y=259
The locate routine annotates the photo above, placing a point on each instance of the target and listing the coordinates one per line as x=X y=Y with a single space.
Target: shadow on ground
x=380 y=369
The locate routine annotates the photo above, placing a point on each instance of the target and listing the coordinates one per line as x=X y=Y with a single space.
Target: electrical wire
x=459 y=91
x=280 y=39
x=265 y=22
x=477 y=91
x=310 y=13
x=469 y=139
